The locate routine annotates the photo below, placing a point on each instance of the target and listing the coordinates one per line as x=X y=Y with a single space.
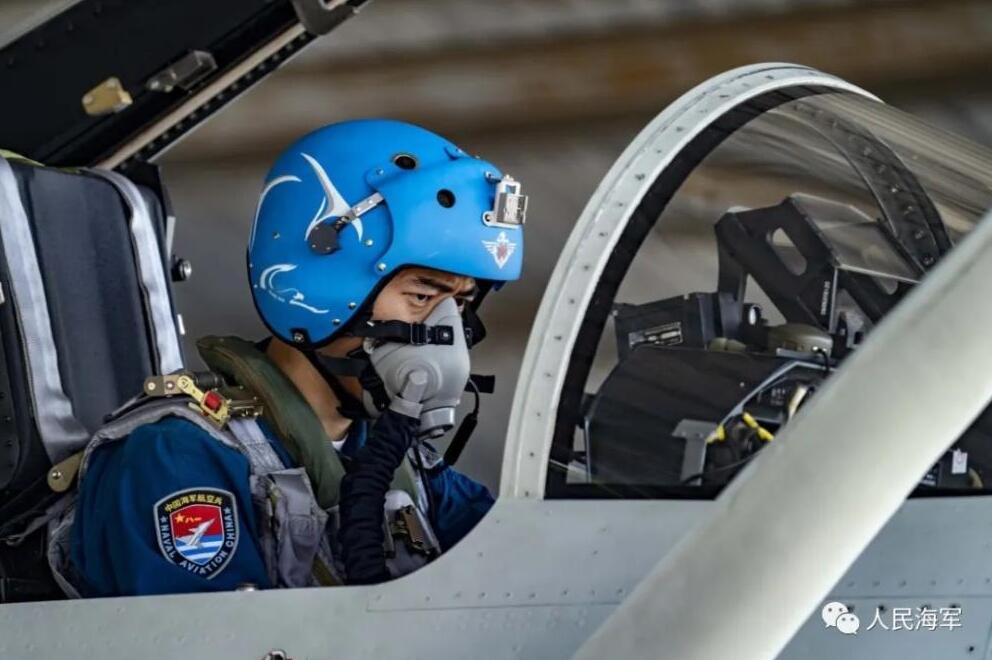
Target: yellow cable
x=719 y=434
x=752 y=423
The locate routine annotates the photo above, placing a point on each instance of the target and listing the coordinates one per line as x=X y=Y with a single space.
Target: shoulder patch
x=197 y=529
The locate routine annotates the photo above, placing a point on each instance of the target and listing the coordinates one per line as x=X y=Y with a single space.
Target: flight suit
x=176 y=506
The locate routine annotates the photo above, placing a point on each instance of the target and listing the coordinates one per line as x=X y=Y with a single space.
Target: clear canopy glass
x=807 y=217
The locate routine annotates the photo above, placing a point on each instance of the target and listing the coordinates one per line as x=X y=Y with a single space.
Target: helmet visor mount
x=509 y=210
x=510 y=206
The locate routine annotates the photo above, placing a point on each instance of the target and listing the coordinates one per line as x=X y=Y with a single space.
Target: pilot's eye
x=421 y=298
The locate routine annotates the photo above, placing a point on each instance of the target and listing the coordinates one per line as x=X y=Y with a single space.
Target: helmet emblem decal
x=338 y=205
x=261 y=200
x=501 y=249
x=290 y=296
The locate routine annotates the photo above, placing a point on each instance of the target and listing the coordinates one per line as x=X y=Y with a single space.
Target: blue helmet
x=350 y=204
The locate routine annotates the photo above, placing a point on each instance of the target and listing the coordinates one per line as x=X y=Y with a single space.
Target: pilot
x=306 y=459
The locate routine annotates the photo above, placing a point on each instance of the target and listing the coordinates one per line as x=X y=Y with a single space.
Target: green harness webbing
x=288 y=415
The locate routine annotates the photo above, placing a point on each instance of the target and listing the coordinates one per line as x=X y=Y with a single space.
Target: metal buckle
x=406 y=526
x=419 y=334
x=444 y=335
x=509 y=207
x=208 y=402
x=439 y=335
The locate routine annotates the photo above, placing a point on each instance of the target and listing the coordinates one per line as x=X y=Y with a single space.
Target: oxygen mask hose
x=424 y=383
x=363 y=494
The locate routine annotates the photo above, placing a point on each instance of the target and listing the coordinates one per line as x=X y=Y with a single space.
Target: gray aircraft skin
x=819 y=516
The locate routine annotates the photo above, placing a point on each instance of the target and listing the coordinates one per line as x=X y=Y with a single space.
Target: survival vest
x=296 y=508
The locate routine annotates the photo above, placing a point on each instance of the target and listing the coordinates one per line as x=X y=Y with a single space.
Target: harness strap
x=350 y=406
x=149 y=413
x=286 y=412
x=151 y=270
x=261 y=455
x=402 y=332
x=61 y=433
x=264 y=460
x=53 y=507
x=475 y=330
x=353 y=367
x=18 y=512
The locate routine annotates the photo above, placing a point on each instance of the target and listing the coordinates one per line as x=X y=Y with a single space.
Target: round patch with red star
x=197 y=529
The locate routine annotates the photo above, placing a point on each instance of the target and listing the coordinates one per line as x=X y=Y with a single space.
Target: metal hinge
x=183 y=73
x=320 y=16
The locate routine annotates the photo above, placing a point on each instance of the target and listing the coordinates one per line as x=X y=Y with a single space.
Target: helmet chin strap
x=331 y=370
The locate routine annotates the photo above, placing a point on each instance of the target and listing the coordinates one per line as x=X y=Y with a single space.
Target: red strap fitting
x=212 y=401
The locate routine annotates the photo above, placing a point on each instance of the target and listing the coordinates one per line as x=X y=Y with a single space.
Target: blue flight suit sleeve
x=460 y=503
x=166 y=510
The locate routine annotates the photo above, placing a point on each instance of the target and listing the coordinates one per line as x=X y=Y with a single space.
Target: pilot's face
x=414 y=292
x=410 y=296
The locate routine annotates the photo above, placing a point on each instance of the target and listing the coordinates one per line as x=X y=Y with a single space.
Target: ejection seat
x=86 y=314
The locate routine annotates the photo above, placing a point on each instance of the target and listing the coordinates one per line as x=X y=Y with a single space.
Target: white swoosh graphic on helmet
x=291 y=296
x=265 y=279
x=309 y=308
x=318 y=217
x=338 y=205
x=261 y=200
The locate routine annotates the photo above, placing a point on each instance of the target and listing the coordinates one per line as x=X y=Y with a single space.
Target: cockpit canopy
x=756 y=262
